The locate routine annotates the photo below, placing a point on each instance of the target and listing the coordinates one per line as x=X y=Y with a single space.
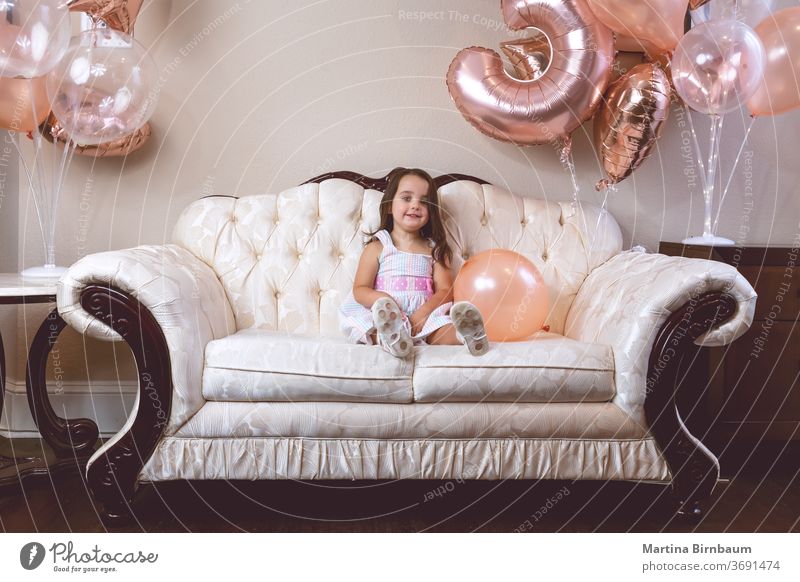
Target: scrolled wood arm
x=694 y=468
x=113 y=470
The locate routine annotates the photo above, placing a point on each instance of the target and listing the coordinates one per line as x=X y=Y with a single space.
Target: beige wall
x=258 y=96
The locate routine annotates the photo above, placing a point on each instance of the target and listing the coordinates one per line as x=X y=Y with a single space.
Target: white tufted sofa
x=264 y=387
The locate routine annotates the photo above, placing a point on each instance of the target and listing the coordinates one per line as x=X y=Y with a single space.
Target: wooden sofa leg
x=112 y=477
x=694 y=468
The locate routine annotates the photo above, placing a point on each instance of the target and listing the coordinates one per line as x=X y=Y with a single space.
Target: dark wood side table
x=70 y=442
x=752 y=386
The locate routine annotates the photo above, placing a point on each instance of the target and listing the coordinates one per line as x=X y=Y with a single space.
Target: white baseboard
x=107 y=403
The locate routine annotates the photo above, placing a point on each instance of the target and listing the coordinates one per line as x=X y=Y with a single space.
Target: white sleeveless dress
x=408 y=278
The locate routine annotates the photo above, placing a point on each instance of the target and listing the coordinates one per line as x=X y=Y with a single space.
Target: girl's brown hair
x=433 y=229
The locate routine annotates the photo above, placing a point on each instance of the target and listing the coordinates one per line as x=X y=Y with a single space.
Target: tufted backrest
x=288 y=260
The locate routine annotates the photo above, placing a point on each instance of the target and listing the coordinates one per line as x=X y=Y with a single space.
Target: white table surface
x=14 y=284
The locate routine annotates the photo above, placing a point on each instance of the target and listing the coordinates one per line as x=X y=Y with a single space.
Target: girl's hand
x=380 y=295
x=417 y=321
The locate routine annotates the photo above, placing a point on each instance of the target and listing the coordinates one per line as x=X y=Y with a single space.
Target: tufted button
x=544 y=256
x=341 y=257
x=233 y=218
x=465 y=256
x=319 y=221
x=258 y=256
x=277 y=294
x=484 y=221
x=299 y=256
x=320 y=292
x=524 y=221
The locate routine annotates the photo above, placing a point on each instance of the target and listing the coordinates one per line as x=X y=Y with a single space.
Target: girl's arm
x=364 y=283
x=442 y=293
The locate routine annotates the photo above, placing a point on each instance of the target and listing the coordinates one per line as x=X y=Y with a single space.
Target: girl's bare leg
x=444 y=336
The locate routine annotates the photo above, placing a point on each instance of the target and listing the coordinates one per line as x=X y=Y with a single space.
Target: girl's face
x=410 y=203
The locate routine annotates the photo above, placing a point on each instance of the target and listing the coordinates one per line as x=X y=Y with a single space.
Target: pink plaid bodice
x=400 y=271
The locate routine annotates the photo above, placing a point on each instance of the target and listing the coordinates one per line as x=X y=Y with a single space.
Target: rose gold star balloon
x=659 y=22
x=118 y=14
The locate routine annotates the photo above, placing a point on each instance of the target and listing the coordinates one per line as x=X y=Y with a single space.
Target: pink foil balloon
x=630 y=121
x=659 y=22
x=508 y=290
x=779 y=91
x=551 y=106
x=717 y=66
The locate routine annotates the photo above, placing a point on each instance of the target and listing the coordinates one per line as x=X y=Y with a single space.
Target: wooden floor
x=761 y=496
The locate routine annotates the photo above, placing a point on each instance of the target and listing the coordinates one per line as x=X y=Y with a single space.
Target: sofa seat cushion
x=448 y=420
x=256 y=365
x=547 y=368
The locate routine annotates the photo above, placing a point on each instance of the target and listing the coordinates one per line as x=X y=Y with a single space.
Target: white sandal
x=469 y=327
x=390 y=327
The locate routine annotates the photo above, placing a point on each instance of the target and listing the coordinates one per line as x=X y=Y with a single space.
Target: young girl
x=402 y=293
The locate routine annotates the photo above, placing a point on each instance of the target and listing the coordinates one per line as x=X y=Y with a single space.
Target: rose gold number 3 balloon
x=550 y=106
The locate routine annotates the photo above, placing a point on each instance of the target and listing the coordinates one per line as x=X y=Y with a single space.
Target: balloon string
x=41 y=191
x=698 y=153
x=66 y=159
x=733 y=170
x=603 y=212
x=568 y=161
x=14 y=138
x=713 y=162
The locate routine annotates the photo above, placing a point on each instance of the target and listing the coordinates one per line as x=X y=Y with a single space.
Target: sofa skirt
x=486 y=459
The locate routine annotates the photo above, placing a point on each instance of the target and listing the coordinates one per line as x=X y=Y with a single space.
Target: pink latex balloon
x=659 y=22
x=779 y=91
x=717 y=66
x=20 y=99
x=508 y=290
x=628 y=44
x=551 y=106
x=102 y=90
